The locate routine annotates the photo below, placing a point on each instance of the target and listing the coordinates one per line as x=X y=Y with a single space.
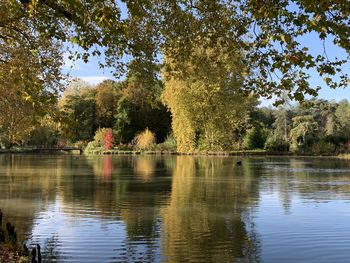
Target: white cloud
x=93 y=80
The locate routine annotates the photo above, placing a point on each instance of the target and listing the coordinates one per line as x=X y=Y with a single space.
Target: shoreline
x=146 y=152
x=164 y=153
x=11 y=253
x=195 y=153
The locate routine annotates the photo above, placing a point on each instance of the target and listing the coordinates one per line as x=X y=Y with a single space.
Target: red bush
x=108 y=139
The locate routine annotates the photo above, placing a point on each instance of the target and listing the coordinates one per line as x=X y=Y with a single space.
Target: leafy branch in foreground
x=268 y=32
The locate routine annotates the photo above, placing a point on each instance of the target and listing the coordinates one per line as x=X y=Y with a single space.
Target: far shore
x=28 y=150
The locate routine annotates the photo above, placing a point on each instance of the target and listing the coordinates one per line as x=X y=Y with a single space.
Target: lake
x=179 y=208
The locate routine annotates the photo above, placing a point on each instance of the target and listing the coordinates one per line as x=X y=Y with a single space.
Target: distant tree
x=304 y=127
x=255 y=138
x=122 y=121
x=46 y=132
x=323 y=112
x=106 y=96
x=139 y=106
x=342 y=114
x=279 y=137
x=262 y=116
x=282 y=124
x=78 y=112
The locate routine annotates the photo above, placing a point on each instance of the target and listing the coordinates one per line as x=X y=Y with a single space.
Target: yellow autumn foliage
x=205 y=98
x=145 y=140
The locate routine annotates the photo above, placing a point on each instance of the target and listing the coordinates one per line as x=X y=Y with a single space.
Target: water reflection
x=144 y=167
x=207 y=218
x=311 y=179
x=166 y=209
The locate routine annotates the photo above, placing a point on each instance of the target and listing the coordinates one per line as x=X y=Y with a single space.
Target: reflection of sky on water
x=308 y=231
x=75 y=237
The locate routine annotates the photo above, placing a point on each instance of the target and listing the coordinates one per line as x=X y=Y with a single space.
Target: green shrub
x=99 y=137
x=43 y=135
x=255 y=138
x=99 y=142
x=169 y=144
x=278 y=145
x=323 y=148
x=124 y=147
x=92 y=147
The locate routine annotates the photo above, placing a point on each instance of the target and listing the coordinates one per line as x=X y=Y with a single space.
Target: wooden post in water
x=2 y=235
x=39 y=253
x=34 y=255
x=11 y=232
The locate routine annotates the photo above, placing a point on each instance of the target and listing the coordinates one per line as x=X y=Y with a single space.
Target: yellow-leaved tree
x=205 y=97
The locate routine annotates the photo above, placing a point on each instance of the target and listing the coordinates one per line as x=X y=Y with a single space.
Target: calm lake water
x=179 y=208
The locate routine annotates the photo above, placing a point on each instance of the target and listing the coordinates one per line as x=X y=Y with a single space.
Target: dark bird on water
x=239 y=163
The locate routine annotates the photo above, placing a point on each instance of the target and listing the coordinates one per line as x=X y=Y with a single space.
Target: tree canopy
x=30 y=75
x=268 y=32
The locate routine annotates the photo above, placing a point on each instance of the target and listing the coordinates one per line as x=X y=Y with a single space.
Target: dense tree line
x=127 y=107
x=225 y=120
x=313 y=127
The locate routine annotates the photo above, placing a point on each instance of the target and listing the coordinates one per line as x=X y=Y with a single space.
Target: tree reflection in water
x=207 y=218
x=107 y=168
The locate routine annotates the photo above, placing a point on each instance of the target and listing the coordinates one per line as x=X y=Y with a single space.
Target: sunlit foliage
x=205 y=98
x=145 y=140
x=270 y=32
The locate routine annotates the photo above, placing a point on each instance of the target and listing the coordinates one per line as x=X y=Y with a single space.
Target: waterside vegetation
x=103 y=119
x=10 y=248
